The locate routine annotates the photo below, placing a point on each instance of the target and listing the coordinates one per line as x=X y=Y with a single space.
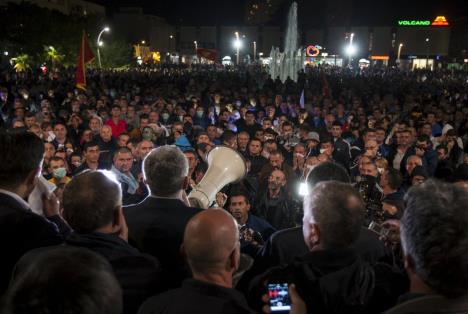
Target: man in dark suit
x=156 y=225
x=211 y=244
x=20 y=229
x=92 y=205
x=286 y=245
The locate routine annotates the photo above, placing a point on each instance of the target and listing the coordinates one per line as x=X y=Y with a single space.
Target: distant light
x=350 y=50
x=465 y=60
x=51 y=48
x=5 y=53
x=237 y=44
x=106 y=29
x=303 y=189
x=260 y=54
x=401 y=45
x=110 y=175
x=324 y=54
x=143 y=42
x=427 y=39
x=101 y=44
x=170 y=36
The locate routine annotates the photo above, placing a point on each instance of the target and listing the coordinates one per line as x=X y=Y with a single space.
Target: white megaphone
x=225 y=165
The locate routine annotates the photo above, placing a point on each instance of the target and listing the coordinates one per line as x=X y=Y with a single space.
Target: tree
x=116 y=53
x=53 y=56
x=22 y=63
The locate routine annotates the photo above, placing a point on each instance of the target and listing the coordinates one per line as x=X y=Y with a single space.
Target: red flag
x=85 y=55
x=209 y=54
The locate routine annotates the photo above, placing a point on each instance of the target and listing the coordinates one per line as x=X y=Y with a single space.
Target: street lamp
x=351 y=49
x=399 y=52
x=100 y=43
x=196 y=46
x=170 y=42
x=427 y=53
x=255 y=50
x=237 y=45
x=143 y=42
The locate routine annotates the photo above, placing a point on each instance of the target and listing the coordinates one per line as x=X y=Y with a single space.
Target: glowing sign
x=440 y=21
x=313 y=51
x=413 y=23
x=385 y=58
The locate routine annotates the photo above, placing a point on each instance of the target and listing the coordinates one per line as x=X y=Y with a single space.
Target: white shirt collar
x=21 y=201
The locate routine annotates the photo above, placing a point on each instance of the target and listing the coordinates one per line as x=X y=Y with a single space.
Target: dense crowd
x=337 y=165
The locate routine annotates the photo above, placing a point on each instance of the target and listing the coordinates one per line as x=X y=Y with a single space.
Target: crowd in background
x=388 y=130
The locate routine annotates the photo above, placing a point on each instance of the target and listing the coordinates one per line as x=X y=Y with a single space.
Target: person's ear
x=234 y=259
x=32 y=178
x=409 y=263
x=248 y=207
x=314 y=235
x=186 y=183
x=118 y=219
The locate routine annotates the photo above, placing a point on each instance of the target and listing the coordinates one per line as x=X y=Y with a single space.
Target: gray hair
x=165 y=169
x=90 y=200
x=435 y=237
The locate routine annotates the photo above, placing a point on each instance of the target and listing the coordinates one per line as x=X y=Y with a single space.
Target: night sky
x=311 y=12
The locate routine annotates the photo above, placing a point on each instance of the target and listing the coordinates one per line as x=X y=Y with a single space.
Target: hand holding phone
x=278 y=295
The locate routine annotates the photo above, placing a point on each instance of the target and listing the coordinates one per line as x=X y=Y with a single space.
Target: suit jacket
x=335 y=281
x=197 y=297
x=156 y=226
x=138 y=274
x=21 y=230
x=428 y=304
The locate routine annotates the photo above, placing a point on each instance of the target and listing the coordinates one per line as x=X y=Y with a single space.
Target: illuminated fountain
x=291 y=61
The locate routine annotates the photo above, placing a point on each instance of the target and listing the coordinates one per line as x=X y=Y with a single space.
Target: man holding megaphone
x=156 y=225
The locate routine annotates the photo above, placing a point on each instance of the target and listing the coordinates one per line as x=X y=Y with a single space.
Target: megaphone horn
x=225 y=165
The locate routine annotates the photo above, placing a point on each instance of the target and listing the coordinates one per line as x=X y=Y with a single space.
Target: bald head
x=211 y=240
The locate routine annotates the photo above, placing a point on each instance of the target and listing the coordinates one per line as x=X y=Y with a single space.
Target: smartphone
x=379 y=229
x=279 y=297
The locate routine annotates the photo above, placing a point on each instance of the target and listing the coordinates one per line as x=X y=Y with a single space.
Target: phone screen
x=279 y=297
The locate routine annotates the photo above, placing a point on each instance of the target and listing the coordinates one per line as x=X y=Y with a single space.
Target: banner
x=85 y=55
x=209 y=54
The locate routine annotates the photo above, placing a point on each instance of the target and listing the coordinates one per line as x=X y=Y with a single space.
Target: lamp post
x=100 y=43
x=170 y=42
x=351 y=48
x=237 y=45
x=427 y=53
x=399 y=52
x=255 y=50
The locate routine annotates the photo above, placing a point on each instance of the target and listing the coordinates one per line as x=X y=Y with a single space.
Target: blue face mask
x=59 y=173
x=200 y=114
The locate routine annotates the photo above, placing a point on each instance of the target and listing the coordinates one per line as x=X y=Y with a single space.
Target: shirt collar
x=15 y=196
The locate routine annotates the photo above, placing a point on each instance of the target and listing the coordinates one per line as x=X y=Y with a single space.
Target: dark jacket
x=286 y=245
x=282 y=212
x=429 y=304
x=139 y=274
x=197 y=297
x=256 y=163
x=22 y=230
x=336 y=281
x=156 y=226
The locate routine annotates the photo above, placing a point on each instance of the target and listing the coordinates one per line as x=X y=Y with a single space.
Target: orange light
x=312 y=51
x=440 y=21
x=380 y=58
